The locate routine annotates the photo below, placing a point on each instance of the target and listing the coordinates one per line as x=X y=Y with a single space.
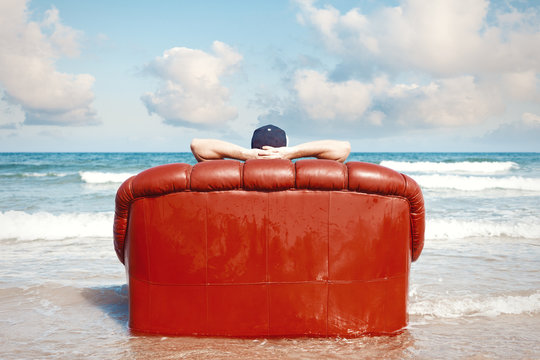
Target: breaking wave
x=43 y=225
x=462 y=229
x=96 y=177
x=477 y=183
x=476 y=305
x=464 y=167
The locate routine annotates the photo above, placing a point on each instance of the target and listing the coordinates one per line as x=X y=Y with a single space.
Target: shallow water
x=474 y=293
x=61 y=321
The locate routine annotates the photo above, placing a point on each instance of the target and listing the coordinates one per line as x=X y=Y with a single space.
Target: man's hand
x=271 y=152
x=255 y=154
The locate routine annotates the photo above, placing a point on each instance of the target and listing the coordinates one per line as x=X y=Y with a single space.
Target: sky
x=388 y=76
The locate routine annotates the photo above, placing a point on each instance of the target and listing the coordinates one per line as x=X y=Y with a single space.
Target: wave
x=49 y=174
x=43 y=225
x=477 y=183
x=462 y=229
x=476 y=305
x=464 y=167
x=96 y=177
x=33 y=174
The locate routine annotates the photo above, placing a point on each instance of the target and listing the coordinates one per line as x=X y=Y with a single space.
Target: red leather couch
x=268 y=248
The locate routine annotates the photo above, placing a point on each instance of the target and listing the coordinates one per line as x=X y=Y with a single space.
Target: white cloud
x=440 y=36
x=438 y=63
x=401 y=90
x=376 y=117
x=338 y=31
x=521 y=85
x=63 y=38
x=449 y=102
x=191 y=92
x=12 y=116
x=456 y=102
x=518 y=135
x=531 y=120
x=323 y=99
x=27 y=68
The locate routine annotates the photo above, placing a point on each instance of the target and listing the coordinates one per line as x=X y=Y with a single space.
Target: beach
x=474 y=293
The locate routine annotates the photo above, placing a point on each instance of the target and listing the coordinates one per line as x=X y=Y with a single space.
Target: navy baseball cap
x=268 y=135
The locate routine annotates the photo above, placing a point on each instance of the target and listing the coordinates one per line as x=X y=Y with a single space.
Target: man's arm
x=322 y=149
x=213 y=149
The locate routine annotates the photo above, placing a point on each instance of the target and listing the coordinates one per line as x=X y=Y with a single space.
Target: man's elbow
x=197 y=148
x=343 y=151
x=195 y=144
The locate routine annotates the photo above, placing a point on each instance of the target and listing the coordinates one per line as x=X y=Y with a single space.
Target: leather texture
x=269 y=247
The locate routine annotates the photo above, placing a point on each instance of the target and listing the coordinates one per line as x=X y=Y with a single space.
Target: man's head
x=268 y=135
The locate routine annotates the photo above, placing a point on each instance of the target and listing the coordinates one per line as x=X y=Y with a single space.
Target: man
x=269 y=142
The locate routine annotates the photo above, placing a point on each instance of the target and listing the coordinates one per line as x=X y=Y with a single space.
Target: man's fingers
x=269 y=155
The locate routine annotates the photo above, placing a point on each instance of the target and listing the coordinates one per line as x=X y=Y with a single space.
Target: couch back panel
x=242 y=237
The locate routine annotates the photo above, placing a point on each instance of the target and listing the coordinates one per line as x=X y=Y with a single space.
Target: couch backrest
x=269 y=176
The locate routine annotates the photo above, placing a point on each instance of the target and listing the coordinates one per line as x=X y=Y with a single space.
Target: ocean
x=474 y=293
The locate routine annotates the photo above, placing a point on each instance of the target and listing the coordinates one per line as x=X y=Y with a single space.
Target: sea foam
x=96 y=177
x=33 y=175
x=463 y=167
x=476 y=305
x=477 y=183
x=528 y=228
x=43 y=225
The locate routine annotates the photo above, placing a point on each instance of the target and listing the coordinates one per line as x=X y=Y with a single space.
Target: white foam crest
x=476 y=305
x=477 y=183
x=49 y=174
x=96 y=177
x=34 y=174
x=528 y=228
x=463 y=167
x=43 y=225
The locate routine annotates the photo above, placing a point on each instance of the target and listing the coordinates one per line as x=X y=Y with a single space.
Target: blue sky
x=408 y=75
